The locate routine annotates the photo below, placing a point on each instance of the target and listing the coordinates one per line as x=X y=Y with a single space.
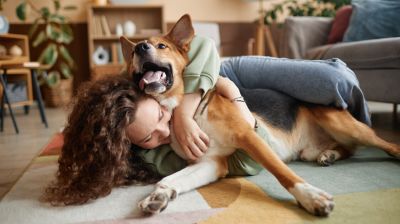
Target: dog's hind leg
x=206 y=171
x=314 y=200
x=345 y=129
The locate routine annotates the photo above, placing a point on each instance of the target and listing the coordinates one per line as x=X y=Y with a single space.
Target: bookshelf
x=102 y=33
x=18 y=75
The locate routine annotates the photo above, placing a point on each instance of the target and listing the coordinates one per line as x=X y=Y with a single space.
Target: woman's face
x=151 y=126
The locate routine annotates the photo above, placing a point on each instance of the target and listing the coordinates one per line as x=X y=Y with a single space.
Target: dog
x=309 y=132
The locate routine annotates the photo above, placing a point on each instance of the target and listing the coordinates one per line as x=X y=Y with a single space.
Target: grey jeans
x=327 y=82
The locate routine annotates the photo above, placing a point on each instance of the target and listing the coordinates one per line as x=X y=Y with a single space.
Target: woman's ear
x=182 y=32
x=128 y=47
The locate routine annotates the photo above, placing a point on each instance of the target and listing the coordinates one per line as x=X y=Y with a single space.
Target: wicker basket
x=58 y=96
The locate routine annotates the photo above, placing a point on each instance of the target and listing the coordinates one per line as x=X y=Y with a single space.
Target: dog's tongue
x=151 y=76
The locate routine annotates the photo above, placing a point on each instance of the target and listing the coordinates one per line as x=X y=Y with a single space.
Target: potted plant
x=51 y=32
x=324 y=8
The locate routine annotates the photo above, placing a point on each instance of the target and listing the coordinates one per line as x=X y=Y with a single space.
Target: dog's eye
x=161 y=46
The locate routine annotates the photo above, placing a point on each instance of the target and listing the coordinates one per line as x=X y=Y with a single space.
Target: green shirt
x=200 y=74
x=167 y=162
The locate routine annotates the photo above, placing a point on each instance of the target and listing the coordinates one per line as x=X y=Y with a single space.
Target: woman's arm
x=229 y=90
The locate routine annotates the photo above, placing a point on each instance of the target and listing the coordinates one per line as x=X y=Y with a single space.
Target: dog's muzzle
x=155 y=79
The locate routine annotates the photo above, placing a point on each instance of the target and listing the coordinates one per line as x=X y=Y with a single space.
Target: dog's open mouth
x=155 y=78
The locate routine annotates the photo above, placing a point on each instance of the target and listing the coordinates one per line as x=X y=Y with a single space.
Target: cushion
x=372 y=19
x=340 y=24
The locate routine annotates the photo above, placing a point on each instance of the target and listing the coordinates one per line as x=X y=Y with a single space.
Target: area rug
x=366 y=189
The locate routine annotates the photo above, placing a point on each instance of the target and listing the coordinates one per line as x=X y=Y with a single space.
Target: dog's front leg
x=199 y=174
x=314 y=200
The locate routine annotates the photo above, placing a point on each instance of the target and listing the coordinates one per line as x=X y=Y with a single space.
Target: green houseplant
x=51 y=33
x=324 y=8
x=50 y=30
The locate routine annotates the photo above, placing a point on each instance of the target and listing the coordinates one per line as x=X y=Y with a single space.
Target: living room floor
x=17 y=151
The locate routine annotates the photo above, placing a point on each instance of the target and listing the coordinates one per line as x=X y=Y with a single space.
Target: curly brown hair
x=96 y=155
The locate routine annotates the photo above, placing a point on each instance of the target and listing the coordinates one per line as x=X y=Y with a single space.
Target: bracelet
x=238 y=99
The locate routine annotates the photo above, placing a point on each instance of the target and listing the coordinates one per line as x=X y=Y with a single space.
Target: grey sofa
x=375 y=62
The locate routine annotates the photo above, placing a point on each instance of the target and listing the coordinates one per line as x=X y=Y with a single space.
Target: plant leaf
x=34 y=27
x=55 y=18
x=53 y=32
x=67 y=34
x=57 y=4
x=67 y=56
x=65 y=70
x=49 y=55
x=45 y=12
x=53 y=78
x=40 y=38
x=70 y=7
x=21 y=11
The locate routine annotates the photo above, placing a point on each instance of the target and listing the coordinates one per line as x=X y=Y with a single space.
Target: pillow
x=340 y=24
x=373 y=19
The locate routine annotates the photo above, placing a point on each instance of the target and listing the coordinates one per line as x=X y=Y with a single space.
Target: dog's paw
x=157 y=201
x=154 y=204
x=395 y=152
x=314 y=200
x=327 y=158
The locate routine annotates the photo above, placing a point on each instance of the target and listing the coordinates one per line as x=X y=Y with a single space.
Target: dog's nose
x=142 y=48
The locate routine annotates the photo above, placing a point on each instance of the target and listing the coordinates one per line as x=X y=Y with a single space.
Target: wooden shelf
x=120 y=7
x=13 y=75
x=102 y=23
x=116 y=38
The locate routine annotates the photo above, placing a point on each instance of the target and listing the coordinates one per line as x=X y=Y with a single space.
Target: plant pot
x=58 y=96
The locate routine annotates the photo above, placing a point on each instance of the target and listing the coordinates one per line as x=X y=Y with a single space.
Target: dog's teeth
x=145 y=81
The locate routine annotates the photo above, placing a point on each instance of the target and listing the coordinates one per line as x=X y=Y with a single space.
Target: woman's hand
x=229 y=90
x=193 y=141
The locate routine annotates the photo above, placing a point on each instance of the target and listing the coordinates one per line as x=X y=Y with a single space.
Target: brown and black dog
x=316 y=133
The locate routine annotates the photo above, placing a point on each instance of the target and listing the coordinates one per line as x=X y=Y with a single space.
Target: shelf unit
x=15 y=75
x=148 y=20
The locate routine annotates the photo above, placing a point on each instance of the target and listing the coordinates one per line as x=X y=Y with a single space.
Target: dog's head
x=157 y=64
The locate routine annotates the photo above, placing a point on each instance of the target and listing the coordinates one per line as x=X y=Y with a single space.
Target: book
x=105 y=26
x=98 y=27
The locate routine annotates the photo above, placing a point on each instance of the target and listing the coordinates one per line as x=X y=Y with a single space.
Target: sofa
x=375 y=62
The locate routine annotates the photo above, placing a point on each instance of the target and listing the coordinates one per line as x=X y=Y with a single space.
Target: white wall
x=200 y=10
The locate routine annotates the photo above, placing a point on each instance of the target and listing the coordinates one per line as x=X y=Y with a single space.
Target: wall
x=234 y=16
x=200 y=10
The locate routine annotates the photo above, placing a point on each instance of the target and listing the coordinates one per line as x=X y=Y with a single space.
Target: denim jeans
x=327 y=82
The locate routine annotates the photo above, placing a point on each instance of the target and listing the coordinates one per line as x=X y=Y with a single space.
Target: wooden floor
x=16 y=151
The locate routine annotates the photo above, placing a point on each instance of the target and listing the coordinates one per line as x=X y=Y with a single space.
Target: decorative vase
x=129 y=28
x=119 y=30
x=101 y=56
x=4 y=25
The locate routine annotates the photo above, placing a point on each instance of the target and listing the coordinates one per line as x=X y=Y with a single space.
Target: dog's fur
x=311 y=133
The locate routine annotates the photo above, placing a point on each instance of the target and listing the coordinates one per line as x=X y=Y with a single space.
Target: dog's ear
x=127 y=48
x=182 y=33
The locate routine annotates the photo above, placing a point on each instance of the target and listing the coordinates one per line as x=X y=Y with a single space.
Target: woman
x=97 y=154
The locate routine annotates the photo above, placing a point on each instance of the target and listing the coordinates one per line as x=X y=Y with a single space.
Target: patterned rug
x=366 y=189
